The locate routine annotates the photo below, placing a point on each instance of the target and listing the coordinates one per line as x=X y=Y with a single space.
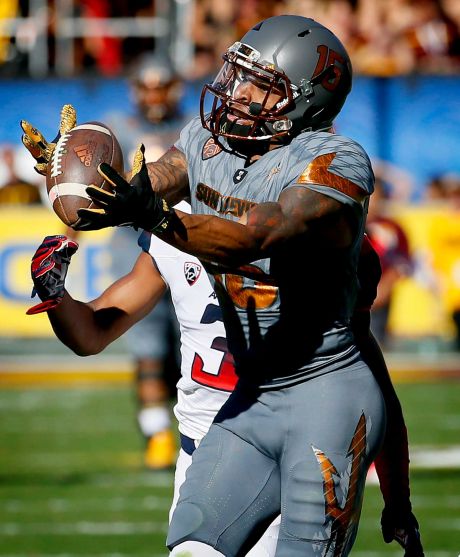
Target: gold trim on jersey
x=317 y=172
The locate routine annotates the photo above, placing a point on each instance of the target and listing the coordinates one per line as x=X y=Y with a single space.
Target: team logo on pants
x=344 y=515
x=191 y=271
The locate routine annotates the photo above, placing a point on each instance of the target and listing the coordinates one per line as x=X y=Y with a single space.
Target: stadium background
x=71 y=476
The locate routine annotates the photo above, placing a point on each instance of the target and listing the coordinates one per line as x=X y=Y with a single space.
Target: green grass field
x=72 y=481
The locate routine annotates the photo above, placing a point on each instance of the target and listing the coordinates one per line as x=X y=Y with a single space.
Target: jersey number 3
x=226 y=378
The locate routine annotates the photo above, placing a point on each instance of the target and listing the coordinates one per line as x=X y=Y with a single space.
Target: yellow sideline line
x=19 y=378
x=420 y=375
x=123 y=375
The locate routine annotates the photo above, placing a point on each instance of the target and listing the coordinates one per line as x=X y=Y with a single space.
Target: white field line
x=87 y=555
x=83 y=528
x=59 y=505
x=435 y=457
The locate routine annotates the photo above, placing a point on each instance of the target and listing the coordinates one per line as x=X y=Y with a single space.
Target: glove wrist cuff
x=165 y=215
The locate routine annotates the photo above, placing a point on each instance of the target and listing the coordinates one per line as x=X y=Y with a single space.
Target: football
x=73 y=167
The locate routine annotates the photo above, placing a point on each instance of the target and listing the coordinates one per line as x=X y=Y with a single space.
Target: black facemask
x=245 y=148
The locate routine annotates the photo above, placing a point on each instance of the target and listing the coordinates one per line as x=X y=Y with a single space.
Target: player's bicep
x=323 y=218
x=337 y=186
x=298 y=213
x=131 y=297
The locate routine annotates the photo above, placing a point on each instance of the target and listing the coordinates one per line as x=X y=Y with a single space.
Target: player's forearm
x=392 y=463
x=75 y=325
x=169 y=176
x=214 y=239
x=392 y=467
x=269 y=230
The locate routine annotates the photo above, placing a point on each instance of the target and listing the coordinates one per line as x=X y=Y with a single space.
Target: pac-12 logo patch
x=191 y=271
x=239 y=175
x=210 y=149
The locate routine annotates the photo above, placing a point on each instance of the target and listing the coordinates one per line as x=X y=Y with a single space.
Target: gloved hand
x=405 y=530
x=37 y=145
x=130 y=204
x=49 y=269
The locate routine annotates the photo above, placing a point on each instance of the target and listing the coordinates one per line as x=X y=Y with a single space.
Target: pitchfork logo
x=191 y=271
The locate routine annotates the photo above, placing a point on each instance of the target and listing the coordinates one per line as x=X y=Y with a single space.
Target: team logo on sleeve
x=210 y=149
x=191 y=271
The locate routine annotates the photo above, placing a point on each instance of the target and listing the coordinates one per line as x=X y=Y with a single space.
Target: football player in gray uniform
x=307 y=416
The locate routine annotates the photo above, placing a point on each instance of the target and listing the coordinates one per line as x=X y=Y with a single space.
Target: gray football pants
x=302 y=450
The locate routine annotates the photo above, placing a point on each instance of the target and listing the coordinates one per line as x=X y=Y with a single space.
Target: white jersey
x=207 y=371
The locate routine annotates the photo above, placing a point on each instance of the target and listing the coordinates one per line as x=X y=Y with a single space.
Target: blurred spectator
x=432 y=36
x=452 y=185
x=156 y=92
x=398 y=183
x=14 y=188
x=452 y=10
x=213 y=28
x=380 y=51
x=434 y=190
x=105 y=51
x=391 y=243
x=444 y=242
x=444 y=187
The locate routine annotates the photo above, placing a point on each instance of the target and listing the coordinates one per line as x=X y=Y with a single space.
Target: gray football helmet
x=293 y=56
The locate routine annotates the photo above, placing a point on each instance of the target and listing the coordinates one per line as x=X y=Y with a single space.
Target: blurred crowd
x=384 y=37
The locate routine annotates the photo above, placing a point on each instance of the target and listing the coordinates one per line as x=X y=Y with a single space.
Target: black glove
x=403 y=529
x=129 y=204
x=36 y=144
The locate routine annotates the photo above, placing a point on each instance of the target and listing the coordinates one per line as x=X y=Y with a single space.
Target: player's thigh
x=230 y=496
x=337 y=426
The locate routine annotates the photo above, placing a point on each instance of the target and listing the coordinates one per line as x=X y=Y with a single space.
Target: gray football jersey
x=286 y=317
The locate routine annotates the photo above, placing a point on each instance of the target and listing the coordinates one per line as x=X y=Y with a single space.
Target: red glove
x=49 y=269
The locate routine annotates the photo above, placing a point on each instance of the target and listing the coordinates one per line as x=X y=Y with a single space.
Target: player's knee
x=195 y=549
x=186 y=522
